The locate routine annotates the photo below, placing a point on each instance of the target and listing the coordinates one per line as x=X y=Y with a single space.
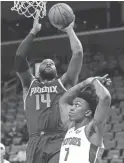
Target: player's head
x=47 y=70
x=84 y=106
x=2 y=150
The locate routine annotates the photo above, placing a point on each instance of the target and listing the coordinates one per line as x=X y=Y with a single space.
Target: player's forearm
x=73 y=92
x=25 y=45
x=101 y=91
x=75 y=43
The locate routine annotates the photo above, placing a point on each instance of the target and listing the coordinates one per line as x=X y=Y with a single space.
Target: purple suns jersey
x=41 y=106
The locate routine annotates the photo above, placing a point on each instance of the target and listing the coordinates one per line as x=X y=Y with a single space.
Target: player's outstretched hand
x=104 y=80
x=71 y=26
x=36 y=25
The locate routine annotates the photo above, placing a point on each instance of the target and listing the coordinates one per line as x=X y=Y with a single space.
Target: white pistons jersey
x=75 y=147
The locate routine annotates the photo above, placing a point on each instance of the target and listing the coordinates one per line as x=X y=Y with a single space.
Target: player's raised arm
x=21 y=62
x=74 y=68
x=103 y=107
x=72 y=93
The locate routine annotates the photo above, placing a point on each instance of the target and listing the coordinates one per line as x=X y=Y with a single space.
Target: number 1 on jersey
x=40 y=98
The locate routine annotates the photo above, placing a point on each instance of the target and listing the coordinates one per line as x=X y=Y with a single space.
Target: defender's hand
x=90 y=80
x=36 y=25
x=104 y=80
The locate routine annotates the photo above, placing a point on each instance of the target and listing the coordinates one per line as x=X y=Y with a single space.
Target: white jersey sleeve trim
x=62 y=84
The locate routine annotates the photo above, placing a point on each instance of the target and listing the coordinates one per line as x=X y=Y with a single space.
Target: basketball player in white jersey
x=2 y=154
x=86 y=118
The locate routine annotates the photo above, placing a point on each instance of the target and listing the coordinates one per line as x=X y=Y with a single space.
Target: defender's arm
x=95 y=127
x=103 y=107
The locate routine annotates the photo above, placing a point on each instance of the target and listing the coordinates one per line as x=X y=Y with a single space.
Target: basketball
x=61 y=15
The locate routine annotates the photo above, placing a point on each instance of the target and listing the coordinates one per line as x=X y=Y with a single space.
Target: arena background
x=100 y=27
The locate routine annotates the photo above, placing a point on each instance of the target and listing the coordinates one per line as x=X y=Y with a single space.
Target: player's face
x=77 y=112
x=47 y=69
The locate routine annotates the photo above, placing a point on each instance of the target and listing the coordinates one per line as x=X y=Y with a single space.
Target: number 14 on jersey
x=42 y=98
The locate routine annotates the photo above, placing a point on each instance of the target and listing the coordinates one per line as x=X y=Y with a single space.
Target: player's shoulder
x=33 y=79
x=26 y=89
x=29 y=82
x=61 y=84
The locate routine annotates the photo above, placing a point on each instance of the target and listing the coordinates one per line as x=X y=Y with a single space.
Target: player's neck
x=81 y=124
x=45 y=80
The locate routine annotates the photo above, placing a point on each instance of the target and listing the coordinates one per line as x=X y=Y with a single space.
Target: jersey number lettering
x=42 y=99
x=67 y=153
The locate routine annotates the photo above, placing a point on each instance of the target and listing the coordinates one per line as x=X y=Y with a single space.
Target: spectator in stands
x=2 y=154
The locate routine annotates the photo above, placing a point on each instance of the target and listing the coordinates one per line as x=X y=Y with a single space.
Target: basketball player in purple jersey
x=85 y=123
x=41 y=97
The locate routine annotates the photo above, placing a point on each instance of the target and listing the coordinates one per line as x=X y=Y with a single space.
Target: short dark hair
x=91 y=98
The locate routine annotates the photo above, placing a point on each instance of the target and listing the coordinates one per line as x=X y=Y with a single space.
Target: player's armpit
x=93 y=134
x=21 y=64
x=102 y=110
x=92 y=130
x=26 y=78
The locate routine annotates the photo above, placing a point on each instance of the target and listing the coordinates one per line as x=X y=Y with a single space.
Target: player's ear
x=88 y=113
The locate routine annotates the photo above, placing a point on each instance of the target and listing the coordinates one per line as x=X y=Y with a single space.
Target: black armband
x=21 y=64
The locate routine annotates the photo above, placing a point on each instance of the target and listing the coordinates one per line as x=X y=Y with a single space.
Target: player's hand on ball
x=36 y=25
x=71 y=26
